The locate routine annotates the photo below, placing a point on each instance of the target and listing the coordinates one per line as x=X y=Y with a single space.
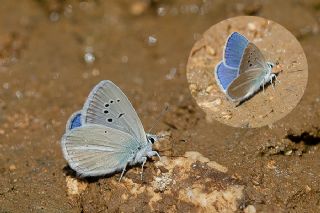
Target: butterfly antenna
x=158 y=118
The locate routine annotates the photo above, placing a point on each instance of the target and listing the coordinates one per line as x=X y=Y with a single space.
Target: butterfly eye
x=151 y=140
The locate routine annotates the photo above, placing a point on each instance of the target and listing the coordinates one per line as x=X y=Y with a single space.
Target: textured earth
x=53 y=52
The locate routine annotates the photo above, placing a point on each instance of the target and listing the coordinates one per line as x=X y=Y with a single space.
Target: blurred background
x=52 y=53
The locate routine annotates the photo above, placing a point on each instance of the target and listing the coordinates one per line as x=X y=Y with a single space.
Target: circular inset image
x=247 y=72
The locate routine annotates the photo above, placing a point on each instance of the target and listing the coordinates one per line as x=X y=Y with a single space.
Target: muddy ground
x=53 y=52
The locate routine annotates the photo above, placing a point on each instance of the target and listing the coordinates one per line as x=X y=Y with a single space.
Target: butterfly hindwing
x=224 y=75
x=74 y=121
x=245 y=85
x=94 y=150
x=234 y=48
x=107 y=105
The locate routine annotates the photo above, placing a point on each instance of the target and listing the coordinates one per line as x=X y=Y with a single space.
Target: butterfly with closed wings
x=243 y=70
x=106 y=136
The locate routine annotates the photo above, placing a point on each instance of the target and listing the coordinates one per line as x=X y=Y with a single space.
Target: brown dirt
x=44 y=79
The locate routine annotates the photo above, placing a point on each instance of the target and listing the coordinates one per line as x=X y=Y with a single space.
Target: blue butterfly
x=106 y=136
x=243 y=69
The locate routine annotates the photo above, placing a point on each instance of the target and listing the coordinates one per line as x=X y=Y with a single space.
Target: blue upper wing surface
x=234 y=49
x=74 y=121
x=225 y=75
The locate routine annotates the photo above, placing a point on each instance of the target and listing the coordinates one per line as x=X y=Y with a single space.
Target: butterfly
x=106 y=136
x=243 y=69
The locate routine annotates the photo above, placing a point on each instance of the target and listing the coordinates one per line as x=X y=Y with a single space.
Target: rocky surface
x=190 y=183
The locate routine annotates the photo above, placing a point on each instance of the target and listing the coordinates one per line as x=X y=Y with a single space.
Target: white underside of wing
x=246 y=84
x=94 y=150
x=108 y=105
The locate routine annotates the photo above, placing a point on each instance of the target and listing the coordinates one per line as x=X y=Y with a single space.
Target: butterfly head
x=152 y=138
x=270 y=65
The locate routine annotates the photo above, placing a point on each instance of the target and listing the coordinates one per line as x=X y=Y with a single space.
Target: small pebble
x=250 y=209
x=271 y=164
x=226 y=115
x=289 y=152
x=162 y=11
x=209 y=89
x=210 y=51
x=95 y=72
x=308 y=189
x=89 y=57
x=252 y=26
x=75 y=186
x=139 y=7
x=193 y=88
x=124 y=196
x=171 y=73
x=152 y=40
x=12 y=167
x=19 y=94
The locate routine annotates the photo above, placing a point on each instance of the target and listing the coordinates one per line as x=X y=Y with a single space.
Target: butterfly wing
x=224 y=75
x=74 y=121
x=107 y=105
x=252 y=71
x=245 y=85
x=252 y=58
x=94 y=150
x=234 y=49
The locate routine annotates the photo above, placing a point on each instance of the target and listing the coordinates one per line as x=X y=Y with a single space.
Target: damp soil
x=52 y=53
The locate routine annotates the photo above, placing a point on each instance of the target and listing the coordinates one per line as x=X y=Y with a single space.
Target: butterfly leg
x=271 y=82
x=144 y=161
x=122 y=173
x=275 y=76
x=153 y=153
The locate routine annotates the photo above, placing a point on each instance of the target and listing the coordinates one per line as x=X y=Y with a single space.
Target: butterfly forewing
x=93 y=150
x=233 y=51
x=252 y=58
x=108 y=105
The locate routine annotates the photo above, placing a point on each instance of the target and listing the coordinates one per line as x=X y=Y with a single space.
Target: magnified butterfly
x=243 y=70
x=106 y=135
